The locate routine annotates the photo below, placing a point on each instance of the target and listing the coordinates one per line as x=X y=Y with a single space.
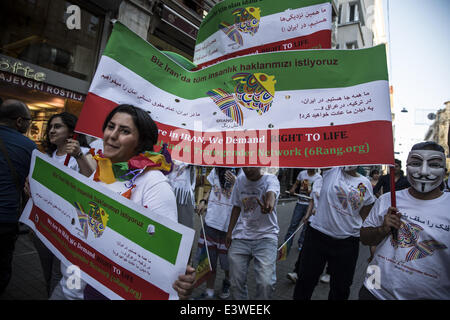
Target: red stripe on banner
x=317 y=40
x=93 y=114
x=361 y=143
x=335 y=145
x=123 y=282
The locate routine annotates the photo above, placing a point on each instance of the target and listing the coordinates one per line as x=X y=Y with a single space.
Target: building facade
x=44 y=62
x=354 y=24
x=439 y=129
x=49 y=49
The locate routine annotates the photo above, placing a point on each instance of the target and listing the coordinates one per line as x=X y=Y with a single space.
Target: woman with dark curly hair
x=58 y=143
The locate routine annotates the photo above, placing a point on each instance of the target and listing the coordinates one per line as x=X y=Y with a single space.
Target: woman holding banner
x=129 y=135
x=58 y=143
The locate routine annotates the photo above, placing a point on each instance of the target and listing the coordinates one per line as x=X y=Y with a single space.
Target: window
x=38 y=34
x=353 y=12
x=339 y=14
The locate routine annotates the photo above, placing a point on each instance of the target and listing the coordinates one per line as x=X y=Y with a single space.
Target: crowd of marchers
x=337 y=209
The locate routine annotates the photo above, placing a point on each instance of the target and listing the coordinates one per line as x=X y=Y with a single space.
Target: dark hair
x=399 y=162
x=147 y=129
x=70 y=121
x=12 y=109
x=428 y=145
x=374 y=171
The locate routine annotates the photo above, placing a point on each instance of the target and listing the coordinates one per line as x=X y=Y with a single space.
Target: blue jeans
x=264 y=253
x=297 y=216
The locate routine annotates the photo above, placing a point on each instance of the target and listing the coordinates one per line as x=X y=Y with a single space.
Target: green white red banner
x=123 y=250
x=234 y=28
x=303 y=108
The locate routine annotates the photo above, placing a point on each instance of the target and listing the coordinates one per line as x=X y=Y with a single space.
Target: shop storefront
x=44 y=63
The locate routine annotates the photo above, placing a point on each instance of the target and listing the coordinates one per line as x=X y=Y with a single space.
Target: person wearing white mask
x=414 y=264
x=345 y=200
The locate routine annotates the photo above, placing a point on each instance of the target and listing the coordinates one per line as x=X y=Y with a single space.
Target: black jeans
x=319 y=249
x=8 y=237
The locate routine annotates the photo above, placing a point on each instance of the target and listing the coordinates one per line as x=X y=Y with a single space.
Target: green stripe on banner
x=164 y=242
x=225 y=8
x=293 y=70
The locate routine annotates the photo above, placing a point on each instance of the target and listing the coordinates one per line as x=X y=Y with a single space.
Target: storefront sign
x=41 y=86
x=21 y=69
x=40 y=74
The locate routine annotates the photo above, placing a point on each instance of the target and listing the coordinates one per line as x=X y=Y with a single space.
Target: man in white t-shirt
x=306 y=180
x=217 y=205
x=253 y=233
x=415 y=264
x=306 y=220
x=345 y=200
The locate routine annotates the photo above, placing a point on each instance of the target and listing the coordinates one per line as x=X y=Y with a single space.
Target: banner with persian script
x=235 y=28
x=304 y=108
x=123 y=250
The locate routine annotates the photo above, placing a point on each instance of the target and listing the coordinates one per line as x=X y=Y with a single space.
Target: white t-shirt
x=219 y=204
x=252 y=224
x=418 y=268
x=73 y=164
x=152 y=191
x=183 y=182
x=341 y=198
x=97 y=144
x=315 y=194
x=306 y=184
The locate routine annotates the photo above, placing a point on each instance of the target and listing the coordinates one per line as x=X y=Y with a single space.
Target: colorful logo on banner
x=95 y=219
x=246 y=20
x=254 y=91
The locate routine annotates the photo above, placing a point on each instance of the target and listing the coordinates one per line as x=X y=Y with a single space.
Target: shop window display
x=36 y=32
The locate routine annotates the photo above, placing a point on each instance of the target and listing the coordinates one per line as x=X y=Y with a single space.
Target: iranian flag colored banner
x=303 y=108
x=239 y=27
x=123 y=250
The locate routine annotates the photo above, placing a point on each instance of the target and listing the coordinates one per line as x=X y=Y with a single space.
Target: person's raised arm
x=309 y=211
x=294 y=187
x=364 y=212
x=268 y=202
x=372 y=236
x=85 y=162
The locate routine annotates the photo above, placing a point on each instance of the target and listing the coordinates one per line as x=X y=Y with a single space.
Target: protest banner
x=235 y=28
x=123 y=250
x=304 y=108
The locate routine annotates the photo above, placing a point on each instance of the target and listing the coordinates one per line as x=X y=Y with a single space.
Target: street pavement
x=27 y=282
